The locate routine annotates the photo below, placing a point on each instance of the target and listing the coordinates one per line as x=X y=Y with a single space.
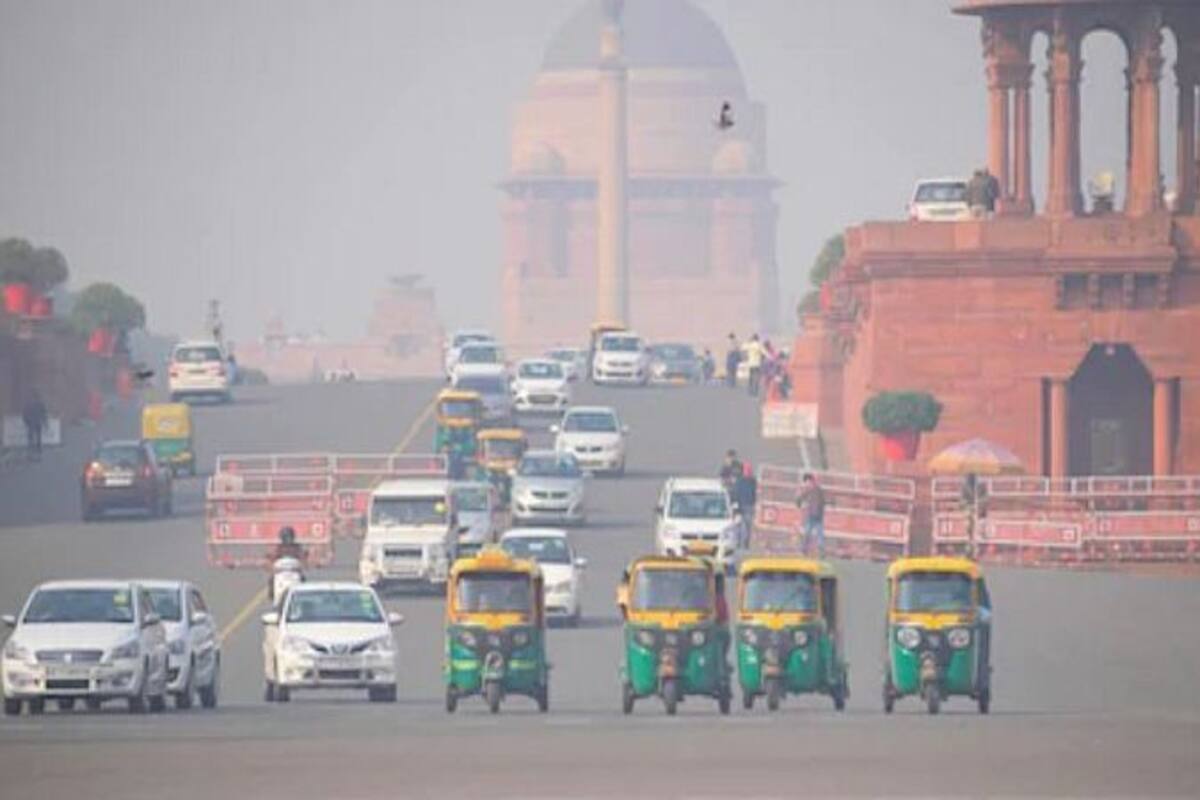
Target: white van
x=412 y=534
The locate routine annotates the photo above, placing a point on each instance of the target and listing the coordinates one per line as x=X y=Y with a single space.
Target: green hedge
x=892 y=412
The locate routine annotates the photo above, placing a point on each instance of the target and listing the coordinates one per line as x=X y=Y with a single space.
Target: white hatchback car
x=939 y=200
x=562 y=570
x=695 y=517
x=199 y=369
x=194 y=651
x=478 y=358
x=459 y=340
x=90 y=640
x=333 y=635
x=540 y=386
x=621 y=358
x=595 y=436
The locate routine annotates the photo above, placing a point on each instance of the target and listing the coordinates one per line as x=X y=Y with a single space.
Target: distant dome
x=540 y=159
x=658 y=33
x=736 y=157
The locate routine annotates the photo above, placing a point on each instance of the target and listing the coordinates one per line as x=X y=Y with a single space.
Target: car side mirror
x=199 y=617
x=581 y=563
x=10 y=620
x=270 y=618
x=150 y=620
x=395 y=619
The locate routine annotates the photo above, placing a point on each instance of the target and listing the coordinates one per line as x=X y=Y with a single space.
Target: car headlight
x=130 y=649
x=645 y=638
x=959 y=638
x=698 y=638
x=520 y=638
x=467 y=638
x=908 y=638
x=383 y=644
x=177 y=647
x=294 y=644
x=16 y=651
x=800 y=638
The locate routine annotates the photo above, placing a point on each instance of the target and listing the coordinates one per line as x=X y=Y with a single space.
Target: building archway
x=1111 y=400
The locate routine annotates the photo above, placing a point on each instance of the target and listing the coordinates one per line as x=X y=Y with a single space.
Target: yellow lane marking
x=258 y=599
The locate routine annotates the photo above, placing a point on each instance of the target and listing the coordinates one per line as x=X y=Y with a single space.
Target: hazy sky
x=287 y=155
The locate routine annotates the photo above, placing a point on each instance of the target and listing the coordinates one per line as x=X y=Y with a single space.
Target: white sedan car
x=92 y=640
x=562 y=570
x=478 y=358
x=194 y=651
x=540 y=386
x=595 y=436
x=694 y=517
x=332 y=635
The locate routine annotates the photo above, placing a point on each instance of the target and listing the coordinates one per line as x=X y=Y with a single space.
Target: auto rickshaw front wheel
x=774 y=692
x=748 y=700
x=670 y=695
x=889 y=696
x=933 y=697
x=491 y=692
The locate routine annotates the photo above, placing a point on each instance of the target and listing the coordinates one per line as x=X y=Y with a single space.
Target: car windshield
x=484 y=384
x=503 y=448
x=333 y=606
x=779 y=591
x=80 y=605
x=467 y=338
x=494 y=591
x=197 y=355
x=458 y=408
x=620 y=344
x=120 y=456
x=408 y=511
x=934 y=591
x=542 y=549
x=471 y=498
x=673 y=352
x=679 y=589
x=549 y=466
x=698 y=505
x=947 y=192
x=541 y=370
x=562 y=355
x=168 y=604
x=477 y=354
x=590 y=422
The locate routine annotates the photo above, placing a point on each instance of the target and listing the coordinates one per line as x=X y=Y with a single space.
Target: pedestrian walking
x=754 y=362
x=34 y=415
x=708 y=366
x=811 y=501
x=732 y=359
x=746 y=490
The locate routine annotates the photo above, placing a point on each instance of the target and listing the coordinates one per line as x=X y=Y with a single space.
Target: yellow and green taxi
x=789 y=640
x=939 y=632
x=167 y=428
x=495 y=630
x=676 y=632
x=459 y=414
x=500 y=450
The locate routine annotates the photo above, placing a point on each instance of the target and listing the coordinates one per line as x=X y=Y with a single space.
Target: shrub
x=892 y=412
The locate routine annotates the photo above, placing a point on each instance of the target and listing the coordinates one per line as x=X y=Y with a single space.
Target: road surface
x=1095 y=688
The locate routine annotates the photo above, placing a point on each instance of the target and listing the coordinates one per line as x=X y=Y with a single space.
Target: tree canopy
x=104 y=305
x=43 y=268
x=827 y=260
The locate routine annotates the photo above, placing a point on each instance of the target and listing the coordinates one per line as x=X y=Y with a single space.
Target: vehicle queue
x=145 y=641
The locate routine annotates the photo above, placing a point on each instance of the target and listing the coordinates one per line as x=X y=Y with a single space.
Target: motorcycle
x=286 y=572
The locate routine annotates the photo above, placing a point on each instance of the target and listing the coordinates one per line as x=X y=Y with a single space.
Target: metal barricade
x=245 y=513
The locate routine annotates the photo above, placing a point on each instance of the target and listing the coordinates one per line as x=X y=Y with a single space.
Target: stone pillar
x=612 y=212
x=1059 y=430
x=1063 y=197
x=1022 y=150
x=998 y=129
x=1145 y=180
x=1186 y=74
x=1162 y=427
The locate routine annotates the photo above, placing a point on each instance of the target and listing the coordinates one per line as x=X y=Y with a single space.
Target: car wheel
x=382 y=694
x=183 y=698
x=93 y=703
x=209 y=694
x=12 y=708
x=269 y=693
x=283 y=694
x=37 y=705
x=66 y=703
x=158 y=702
x=89 y=512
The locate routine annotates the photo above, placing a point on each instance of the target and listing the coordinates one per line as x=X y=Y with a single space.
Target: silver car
x=548 y=487
x=194 y=651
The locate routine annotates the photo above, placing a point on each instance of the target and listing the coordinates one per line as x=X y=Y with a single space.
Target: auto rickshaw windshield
x=934 y=591
x=779 y=591
x=671 y=589
x=502 y=448
x=471 y=498
x=480 y=592
x=458 y=408
x=408 y=511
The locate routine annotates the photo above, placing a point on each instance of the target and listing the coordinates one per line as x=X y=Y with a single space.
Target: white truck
x=411 y=535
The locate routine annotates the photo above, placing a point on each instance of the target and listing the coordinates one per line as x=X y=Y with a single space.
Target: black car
x=674 y=363
x=125 y=475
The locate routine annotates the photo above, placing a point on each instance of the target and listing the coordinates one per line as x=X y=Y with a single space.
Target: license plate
x=118 y=479
x=340 y=663
x=69 y=673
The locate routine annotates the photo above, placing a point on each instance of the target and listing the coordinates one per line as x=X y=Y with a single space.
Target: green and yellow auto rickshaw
x=459 y=414
x=500 y=450
x=495 y=630
x=676 y=633
x=939 y=632
x=167 y=427
x=789 y=639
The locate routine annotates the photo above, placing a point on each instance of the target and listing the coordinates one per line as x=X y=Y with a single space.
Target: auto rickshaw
x=676 y=634
x=500 y=450
x=789 y=639
x=939 y=632
x=167 y=427
x=458 y=419
x=599 y=329
x=496 y=630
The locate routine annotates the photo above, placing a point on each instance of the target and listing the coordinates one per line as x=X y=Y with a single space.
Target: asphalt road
x=1095 y=674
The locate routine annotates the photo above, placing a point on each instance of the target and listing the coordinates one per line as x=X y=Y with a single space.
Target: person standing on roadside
x=811 y=502
x=732 y=358
x=35 y=416
x=731 y=470
x=754 y=363
x=746 y=491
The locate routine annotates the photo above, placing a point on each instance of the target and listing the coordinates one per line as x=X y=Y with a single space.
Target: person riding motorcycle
x=286 y=563
x=288 y=547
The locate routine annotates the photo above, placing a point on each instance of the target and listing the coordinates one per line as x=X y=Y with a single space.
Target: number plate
x=69 y=673
x=118 y=479
x=340 y=662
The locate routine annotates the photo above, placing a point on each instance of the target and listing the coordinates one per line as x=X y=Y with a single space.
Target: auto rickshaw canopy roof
x=808 y=566
x=494 y=559
x=502 y=435
x=460 y=395
x=670 y=562
x=965 y=566
x=608 y=327
x=166 y=421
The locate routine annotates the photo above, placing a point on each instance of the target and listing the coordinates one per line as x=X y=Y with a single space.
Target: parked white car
x=459 y=340
x=193 y=649
x=477 y=508
x=695 y=517
x=574 y=361
x=478 y=358
x=332 y=635
x=90 y=640
x=621 y=358
x=939 y=200
x=595 y=436
x=549 y=486
x=562 y=570
x=540 y=386
x=199 y=369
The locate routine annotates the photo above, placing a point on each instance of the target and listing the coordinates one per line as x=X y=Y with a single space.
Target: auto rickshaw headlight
x=908 y=638
x=959 y=638
x=800 y=638
x=645 y=638
x=698 y=638
x=520 y=638
x=467 y=638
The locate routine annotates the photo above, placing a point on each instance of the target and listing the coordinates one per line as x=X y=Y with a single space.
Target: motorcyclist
x=288 y=547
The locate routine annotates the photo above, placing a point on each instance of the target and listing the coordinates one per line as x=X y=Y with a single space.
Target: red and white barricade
x=866 y=516
x=276 y=464
x=245 y=513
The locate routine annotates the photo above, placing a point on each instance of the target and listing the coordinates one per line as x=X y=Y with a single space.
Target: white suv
x=199 y=369
x=694 y=517
x=939 y=200
x=194 y=651
x=85 y=640
x=621 y=358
